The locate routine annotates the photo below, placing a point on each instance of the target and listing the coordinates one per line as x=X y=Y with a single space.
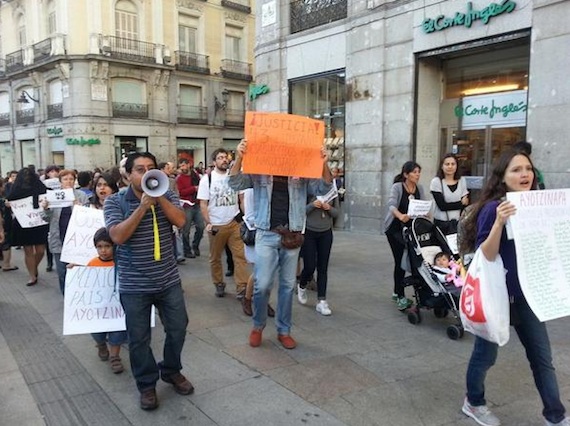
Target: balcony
x=25 y=116
x=127 y=49
x=307 y=14
x=2 y=68
x=54 y=111
x=5 y=119
x=186 y=61
x=42 y=51
x=236 y=69
x=15 y=61
x=190 y=114
x=127 y=110
x=241 y=5
x=234 y=118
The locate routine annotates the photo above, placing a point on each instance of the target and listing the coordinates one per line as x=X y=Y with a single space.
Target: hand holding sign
x=60 y=198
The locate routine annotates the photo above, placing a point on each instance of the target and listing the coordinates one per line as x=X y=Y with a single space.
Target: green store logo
x=466 y=19
x=82 y=141
x=490 y=110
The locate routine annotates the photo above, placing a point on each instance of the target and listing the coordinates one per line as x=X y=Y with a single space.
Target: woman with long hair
x=33 y=240
x=485 y=228
x=406 y=187
x=450 y=193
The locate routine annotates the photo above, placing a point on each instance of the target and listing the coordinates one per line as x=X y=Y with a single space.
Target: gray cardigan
x=396 y=193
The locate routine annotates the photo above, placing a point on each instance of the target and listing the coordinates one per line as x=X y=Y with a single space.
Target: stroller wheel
x=414 y=317
x=440 y=312
x=455 y=332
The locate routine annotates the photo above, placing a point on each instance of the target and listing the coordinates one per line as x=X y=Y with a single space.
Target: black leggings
x=397 y=251
x=316 y=254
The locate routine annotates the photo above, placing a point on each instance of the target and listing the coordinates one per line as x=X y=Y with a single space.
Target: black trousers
x=397 y=247
x=316 y=255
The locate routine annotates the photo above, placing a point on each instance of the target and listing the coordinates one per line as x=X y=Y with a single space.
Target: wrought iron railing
x=128 y=110
x=42 y=50
x=241 y=5
x=307 y=14
x=25 y=116
x=193 y=62
x=128 y=49
x=236 y=69
x=15 y=61
x=54 y=111
x=190 y=114
x=234 y=118
x=5 y=119
x=2 y=67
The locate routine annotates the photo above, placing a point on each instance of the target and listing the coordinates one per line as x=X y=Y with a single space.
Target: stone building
x=409 y=79
x=84 y=82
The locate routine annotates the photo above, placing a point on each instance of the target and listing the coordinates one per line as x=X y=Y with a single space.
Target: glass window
x=51 y=18
x=190 y=95
x=126 y=25
x=6 y=158
x=55 y=92
x=22 y=32
x=28 y=148
x=191 y=149
x=130 y=91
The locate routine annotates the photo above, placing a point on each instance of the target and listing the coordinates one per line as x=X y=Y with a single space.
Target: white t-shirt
x=223 y=204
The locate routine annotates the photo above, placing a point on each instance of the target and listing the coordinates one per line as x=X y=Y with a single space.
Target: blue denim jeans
x=534 y=337
x=193 y=217
x=271 y=258
x=172 y=309
x=61 y=268
x=114 y=338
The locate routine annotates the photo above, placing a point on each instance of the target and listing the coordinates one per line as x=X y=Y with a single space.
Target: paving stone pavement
x=364 y=365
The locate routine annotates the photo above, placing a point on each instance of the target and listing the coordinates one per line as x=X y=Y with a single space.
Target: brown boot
x=246 y=306
x=116 y=365
x=102 y=351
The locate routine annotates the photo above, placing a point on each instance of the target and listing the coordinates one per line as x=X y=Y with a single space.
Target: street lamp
x=221 y=105
x=24 y=96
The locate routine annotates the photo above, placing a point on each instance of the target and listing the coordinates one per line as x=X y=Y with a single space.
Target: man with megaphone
x=140 y=220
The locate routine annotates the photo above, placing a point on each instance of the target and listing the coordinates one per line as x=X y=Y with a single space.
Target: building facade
x=404 y=79
x=85 y=82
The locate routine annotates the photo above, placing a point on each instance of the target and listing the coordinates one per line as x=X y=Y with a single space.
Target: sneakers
x=403 y=303
x=102 y=351
x=323 y=308
x=240 y=295
x=301 y=295
x=480 y=414
x=246 y=306
x=255 y=337
x=149 y=401
x=181 y=384
x=395 y=298
x=287 y=341
x=196 y=251
x=564 y=422
x=220 y=289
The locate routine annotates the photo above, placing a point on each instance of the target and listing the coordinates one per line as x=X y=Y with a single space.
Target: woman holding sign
x=33 y=239
x=404 y=189
x=486 y=229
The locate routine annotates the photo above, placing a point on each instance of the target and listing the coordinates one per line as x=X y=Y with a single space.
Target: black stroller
x=423 y=237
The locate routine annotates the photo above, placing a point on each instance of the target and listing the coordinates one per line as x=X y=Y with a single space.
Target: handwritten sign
x=52 y=183
x=419 y=208
x=78 y=247
x=27 y=216
x=283 y=145
x=329 y=196
x=60 y=198
x=91 y=304
x=541 y=230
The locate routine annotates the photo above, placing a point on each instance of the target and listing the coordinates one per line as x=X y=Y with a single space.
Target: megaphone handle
x=156 y=235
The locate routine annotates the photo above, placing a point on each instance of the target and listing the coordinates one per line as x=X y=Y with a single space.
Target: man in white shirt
x=220 y=208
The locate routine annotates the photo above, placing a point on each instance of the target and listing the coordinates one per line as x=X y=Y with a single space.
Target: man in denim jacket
x=280 y=201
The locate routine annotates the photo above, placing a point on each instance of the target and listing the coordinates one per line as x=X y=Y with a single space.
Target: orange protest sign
x=283 y=145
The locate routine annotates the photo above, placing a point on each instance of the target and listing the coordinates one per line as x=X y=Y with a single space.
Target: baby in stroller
x=447 y=270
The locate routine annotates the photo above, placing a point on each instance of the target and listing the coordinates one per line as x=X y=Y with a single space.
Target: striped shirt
x=137 y=270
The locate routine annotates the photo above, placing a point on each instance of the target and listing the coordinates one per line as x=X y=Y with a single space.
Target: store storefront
x=191 y=149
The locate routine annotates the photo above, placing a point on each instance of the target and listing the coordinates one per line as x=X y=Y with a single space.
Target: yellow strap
x=156 y=236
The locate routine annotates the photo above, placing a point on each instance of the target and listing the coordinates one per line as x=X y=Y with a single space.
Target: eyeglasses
x=141 y=170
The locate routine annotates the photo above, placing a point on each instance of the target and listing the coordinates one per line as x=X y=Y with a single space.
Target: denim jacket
x=262 y=189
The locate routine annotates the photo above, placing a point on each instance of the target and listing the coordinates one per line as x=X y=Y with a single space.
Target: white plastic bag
x=484 y=303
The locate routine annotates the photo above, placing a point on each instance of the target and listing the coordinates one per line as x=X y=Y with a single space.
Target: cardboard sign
x=27 y=216
x=541 y=230
x=283 y=145
x=91 y=304
x=52 y=183
x=78 y=247
x=60 y=198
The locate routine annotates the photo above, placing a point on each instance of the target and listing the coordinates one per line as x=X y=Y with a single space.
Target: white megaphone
x=155 y=183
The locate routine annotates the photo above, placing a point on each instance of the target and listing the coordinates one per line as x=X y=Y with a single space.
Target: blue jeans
x=193 y=216
x=61 y=268
x=534 y=337
x=172 y=309
x=270 y=257
x=114 y=338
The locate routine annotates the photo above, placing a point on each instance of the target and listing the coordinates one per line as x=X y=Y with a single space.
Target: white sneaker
x=564 y=422
x=323 y=308
x=480 y=414
x=301 y=295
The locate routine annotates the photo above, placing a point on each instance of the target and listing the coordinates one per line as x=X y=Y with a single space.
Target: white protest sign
x=90 y=304
x=27 y=216
x=78 y=247
x=419 y=208
x=52 y=183
x=60 y=198
x=541 y=229
x=329 y=196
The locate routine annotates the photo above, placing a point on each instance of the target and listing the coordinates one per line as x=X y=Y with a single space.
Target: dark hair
x=84 y=179
x=523 y=146
x=440 y=255
x=408 y=167
x=102 y=235
x=440 y=173
x=27 y=184
x=494 y=189
x=111 y=182
x=132 y=157
x=51 y=169
x=162 y=165
x=218 y=151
